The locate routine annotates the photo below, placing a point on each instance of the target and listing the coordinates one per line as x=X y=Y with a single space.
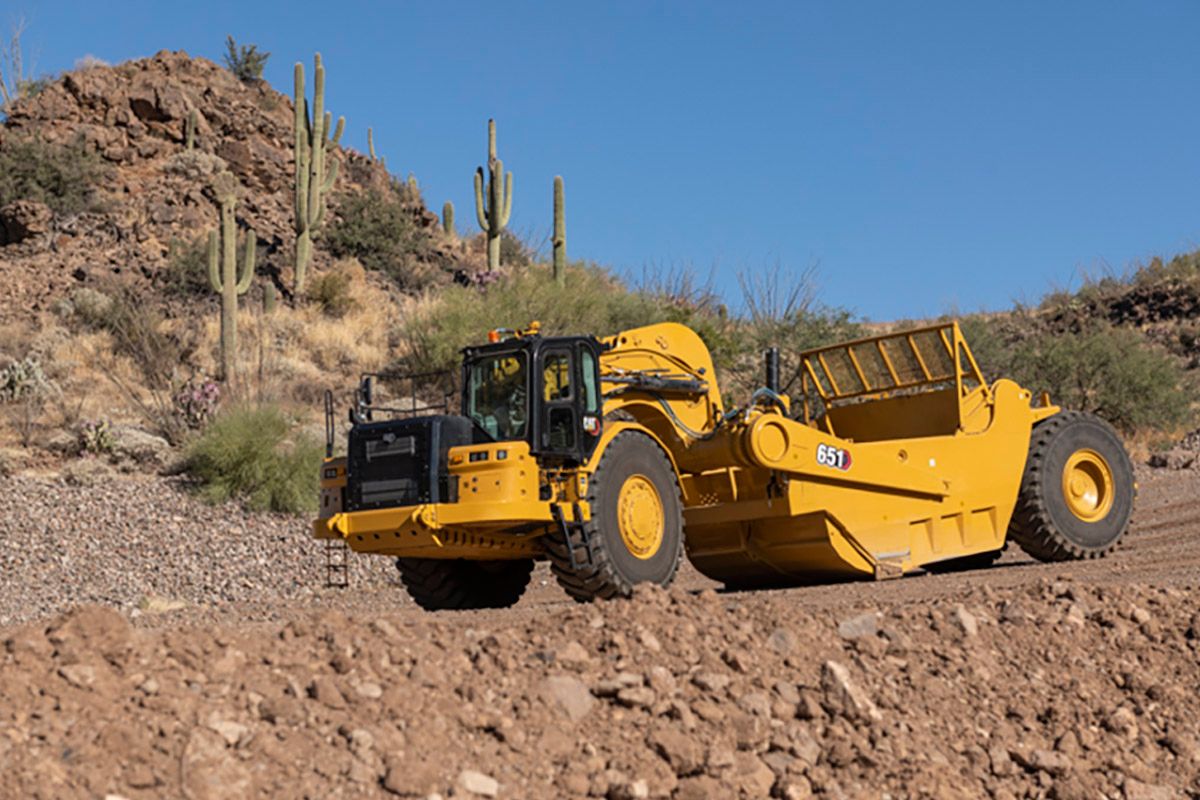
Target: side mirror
x=368 y=390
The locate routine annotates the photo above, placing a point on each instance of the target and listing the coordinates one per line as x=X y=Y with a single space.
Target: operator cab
x=545 y=391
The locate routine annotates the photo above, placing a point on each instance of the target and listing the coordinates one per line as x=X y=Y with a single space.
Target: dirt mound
x=1057 y=690
x=133 y=116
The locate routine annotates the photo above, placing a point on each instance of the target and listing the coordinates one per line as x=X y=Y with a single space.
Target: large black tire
x=1043 y=523
x=601 y=564
x=438 y=584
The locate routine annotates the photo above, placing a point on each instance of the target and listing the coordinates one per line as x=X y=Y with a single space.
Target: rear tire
x=443 y=584
x=635 y=534
x=1077 y=492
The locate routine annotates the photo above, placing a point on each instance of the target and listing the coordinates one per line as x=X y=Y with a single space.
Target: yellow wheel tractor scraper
x=612 y=457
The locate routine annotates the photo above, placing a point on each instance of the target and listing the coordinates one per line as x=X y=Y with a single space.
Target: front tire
x=1077 y=492
x=438 y=584
x=635 y=534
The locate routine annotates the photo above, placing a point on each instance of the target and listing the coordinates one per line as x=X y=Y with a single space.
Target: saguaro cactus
x=312 y=179
x=223 y=273
x=448 y=218
x=371 y=149
x=560 y=234
x=494 y=213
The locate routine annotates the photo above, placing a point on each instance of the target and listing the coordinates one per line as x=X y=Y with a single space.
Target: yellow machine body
x=895 y=453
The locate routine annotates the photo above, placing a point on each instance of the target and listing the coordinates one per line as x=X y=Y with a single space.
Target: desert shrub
x=1111 y=372
x=256 y=455
x=515 y=251
x=139 y=334
x=95 y=437
x=245 y=61
x=593 y=301
x=25 y=392
x=378 y=229
x=780 y=309
x=196 y=402
x=331 y=292
x=63 y=177
x=186 y=274
x=23 y=379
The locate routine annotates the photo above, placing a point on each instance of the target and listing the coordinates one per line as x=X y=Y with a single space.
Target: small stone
x=633 y=790
x=228 y=730
x=478 y=784
x=369 y=690
x=572 y=654
x=1140 y=615
x=1002 y=765
x=1122 y=721
x=844 y=697
x=569 y=694
x=964 y=620
x=1076 y=615
x=711 y=681
x=1136 y=790
x=783 y=641
x=1050 y=762
x=80 y=676
x=326 y=692
x=681 y=751
x=636 y=697
x=753 y=777
x=859 y=626
x=787 y=691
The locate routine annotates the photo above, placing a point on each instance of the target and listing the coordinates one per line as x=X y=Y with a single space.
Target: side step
x=337 y=564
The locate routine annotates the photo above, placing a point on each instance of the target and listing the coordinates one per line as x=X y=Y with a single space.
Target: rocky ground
x=210 y=661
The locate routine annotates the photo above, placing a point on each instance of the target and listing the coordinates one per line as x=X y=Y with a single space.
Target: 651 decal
x=836 y=457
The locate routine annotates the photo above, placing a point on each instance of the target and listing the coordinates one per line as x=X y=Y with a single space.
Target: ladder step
x=337 y=564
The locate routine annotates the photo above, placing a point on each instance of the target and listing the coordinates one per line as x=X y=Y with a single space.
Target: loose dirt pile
x=1056 y=690
x=1023 y=680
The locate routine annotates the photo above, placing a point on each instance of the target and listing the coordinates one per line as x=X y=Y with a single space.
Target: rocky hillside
x=153 y=192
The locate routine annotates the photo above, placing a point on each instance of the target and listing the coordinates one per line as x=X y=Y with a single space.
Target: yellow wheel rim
x=1087 y=485
x=640 y=516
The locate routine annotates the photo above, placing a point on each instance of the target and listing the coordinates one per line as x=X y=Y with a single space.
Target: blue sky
x=928 y=157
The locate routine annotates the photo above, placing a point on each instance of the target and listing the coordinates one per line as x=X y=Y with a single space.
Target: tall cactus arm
x=507 y=210
x=248 y=262
x=480 y=212
x=301 y=129
x=337 y=133
x=214 y=261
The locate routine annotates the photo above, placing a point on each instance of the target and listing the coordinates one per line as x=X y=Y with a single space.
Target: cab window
x=557 y=377
x=497 y=395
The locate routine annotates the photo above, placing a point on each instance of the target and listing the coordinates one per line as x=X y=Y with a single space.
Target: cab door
x=568 y=393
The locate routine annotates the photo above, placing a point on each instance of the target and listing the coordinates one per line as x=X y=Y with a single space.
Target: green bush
x=593 y=301
x=331 y=292
x=63 y=177
x=379 y=230
x=186 y=274
x=254 y=455
x=245 y=61
x=1111 y=372
x=514 y=251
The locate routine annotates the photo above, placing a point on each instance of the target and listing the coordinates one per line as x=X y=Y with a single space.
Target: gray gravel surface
x=144 y=544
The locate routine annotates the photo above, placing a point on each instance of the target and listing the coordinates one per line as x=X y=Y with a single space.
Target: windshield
x=497 y=398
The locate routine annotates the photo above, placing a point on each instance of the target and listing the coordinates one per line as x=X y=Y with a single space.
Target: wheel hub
x=1087 y=485
x=640 y=516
